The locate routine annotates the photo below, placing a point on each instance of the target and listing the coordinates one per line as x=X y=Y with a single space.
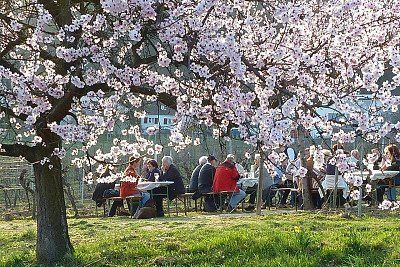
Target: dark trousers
x=252 y=191
x=316 y=199
x=268 y=194
x=380 y=192
x=285 y=194
x=159 y=194
x=211 y=203
x=115 y=205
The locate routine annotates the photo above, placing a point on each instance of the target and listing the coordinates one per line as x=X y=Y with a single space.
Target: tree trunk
x=260 y=186
x=52 y=230
x=307 y=203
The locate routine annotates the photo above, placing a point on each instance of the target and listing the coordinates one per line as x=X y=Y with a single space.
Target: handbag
x=127 y=189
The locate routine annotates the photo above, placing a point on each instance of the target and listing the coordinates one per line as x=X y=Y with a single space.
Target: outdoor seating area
x=227 y=187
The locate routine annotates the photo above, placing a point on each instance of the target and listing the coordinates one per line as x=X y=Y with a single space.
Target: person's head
x=152 y=164
x=392 y=153
x=336 y=147
x=355 y=154
x=134 y=162
x=230 y=158
x=203 y=160
x=167 y=161
x=327 y=154
x=212 y=160
x=145 y=161
x=375 y=151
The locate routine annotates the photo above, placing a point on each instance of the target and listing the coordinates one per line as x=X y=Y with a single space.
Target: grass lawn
x=300 y=239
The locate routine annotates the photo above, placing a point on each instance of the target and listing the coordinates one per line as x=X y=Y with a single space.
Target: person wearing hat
x=205 y=182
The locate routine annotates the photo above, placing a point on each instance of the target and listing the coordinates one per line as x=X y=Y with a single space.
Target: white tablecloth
x=144 y=186
x=329 y=183
x=247 y=182
x=377 y=174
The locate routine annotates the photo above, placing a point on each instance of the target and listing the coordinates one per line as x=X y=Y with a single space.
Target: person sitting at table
x=205 y=182
x=331 y=171
x=152 y=167
x=315 y=182
x=331 y=168
x=194 y=179
x=268 y=193
x=102 y=186
x=145 y=167
x=377 y=159
x=225 y=179
x=355 y=158
x=169 y=173
x=391 y=163
x=131 y=171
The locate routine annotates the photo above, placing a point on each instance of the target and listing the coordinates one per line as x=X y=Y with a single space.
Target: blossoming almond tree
x=70 y=71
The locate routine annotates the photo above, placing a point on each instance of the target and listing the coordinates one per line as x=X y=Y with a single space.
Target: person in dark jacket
x=194 y=179
x=169 y=173
x=101 y=187
x=152 y=168
x=206 y=178
x=206 y=175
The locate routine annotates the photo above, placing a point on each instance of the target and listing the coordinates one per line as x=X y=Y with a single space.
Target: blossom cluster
x=267 y=68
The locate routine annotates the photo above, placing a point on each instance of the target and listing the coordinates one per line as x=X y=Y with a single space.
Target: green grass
x=276 y=240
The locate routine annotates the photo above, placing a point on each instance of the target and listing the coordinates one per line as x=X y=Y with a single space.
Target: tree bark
x=306 y=184
x=52 y=230
x=260 y=186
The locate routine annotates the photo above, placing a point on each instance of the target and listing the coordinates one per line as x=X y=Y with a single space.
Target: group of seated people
x=209 y=177
x=389 y=161
x=151 y=172
x=211 y=180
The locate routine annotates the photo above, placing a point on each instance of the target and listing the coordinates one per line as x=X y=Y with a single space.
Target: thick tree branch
x=11 y=113
x=19 y=150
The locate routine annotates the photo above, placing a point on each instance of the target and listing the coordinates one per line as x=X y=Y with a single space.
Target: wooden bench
x=221 y=195
x=185 y=198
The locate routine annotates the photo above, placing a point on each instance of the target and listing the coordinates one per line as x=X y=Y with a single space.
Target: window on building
x=165 y=121
x=145 y=120
x=155 y=120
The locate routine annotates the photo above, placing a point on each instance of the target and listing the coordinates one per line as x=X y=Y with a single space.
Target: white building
x=159 y=116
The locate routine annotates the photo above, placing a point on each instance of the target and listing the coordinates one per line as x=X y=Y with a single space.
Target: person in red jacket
x=225 y=179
